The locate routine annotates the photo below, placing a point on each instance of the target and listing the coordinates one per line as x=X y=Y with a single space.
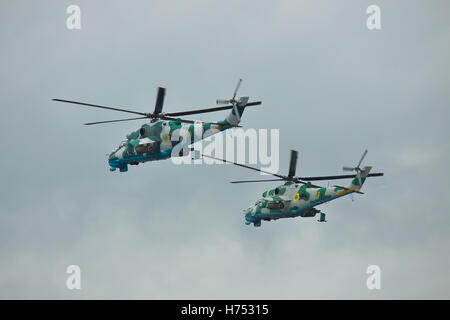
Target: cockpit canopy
x=279 y=191
x=133 y=135
x=123 y=143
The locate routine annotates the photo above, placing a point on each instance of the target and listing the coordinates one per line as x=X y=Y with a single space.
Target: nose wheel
x=122 y=168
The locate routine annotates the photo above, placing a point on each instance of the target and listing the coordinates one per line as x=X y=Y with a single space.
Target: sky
x=160 y=231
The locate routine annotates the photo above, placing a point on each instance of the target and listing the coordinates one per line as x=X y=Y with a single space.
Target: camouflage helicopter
x=298 y=197
x=166 y=135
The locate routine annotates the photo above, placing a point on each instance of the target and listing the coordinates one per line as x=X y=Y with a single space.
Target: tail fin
x=360 y=178
x=234 y=117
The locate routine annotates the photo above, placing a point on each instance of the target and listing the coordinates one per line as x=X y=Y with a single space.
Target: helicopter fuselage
x=161 y=140
x=294 y=200
x=167 y=135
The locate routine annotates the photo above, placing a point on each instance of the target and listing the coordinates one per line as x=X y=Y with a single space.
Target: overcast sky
x=330 y=85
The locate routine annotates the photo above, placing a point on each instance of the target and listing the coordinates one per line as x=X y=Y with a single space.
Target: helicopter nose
x=111 y=155
x=248 y=210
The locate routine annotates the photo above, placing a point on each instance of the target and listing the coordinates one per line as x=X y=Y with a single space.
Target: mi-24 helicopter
x=298 y=197
x=166 y=134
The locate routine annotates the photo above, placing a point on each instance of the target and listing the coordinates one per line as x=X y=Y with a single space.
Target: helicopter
x=298 y=197
x=166 y=134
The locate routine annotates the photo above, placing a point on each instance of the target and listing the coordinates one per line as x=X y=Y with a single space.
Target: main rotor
x=157 y=113
x=291 y=177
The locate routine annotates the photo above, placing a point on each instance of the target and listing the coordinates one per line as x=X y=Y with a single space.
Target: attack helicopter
x=166 y=134
x=298 y=197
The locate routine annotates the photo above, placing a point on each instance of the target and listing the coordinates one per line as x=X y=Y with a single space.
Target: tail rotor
x=357 y=169
x=232 y=100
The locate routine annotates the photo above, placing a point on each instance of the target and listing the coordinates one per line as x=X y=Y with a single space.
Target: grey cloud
x=162 y=231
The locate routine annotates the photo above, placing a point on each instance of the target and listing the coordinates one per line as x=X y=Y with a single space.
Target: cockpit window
x=275 y=205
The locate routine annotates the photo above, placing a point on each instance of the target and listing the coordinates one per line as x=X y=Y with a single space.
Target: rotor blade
x=98 y=106
x=297 y=180
x=293 y=163
x=344 y=176
x=185 y=113
x=186 y=121
x=159 y=100
x=175 y=119
x=348 y=169
x=221 y=101
x=377 y=174
x=108 y=121
x=237 y=88
x=362 y=158
x=246 y=181
x=251 y=168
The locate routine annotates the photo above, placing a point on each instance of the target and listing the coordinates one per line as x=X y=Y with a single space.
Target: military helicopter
x=167 y=135
x=298 y=197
